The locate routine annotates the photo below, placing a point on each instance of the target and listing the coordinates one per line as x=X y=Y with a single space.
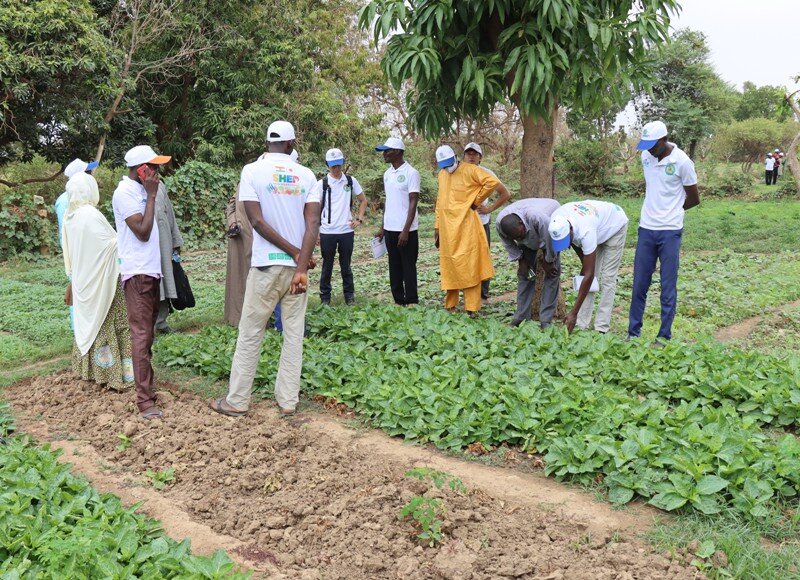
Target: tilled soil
x=311 y=502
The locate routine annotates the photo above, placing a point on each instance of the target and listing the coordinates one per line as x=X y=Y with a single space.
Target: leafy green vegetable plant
x=426 y=513
x=161 y=479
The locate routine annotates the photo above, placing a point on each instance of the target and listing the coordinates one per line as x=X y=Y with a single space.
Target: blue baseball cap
x=559 y=230
x=391 y=143
x=651 y=133
x=445 y=156
x=334 y=157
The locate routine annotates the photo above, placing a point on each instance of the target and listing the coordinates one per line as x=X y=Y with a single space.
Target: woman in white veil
x=102 y=351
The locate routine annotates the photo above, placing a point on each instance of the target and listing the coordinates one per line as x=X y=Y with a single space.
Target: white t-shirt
x=486 y=218
x=283 y=188
x=665 y=194
x=398 y=183
x=135 y=256
x=593 y=222
x=769 y=163
x=337 y=214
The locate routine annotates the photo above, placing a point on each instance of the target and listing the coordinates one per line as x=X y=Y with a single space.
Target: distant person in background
x=134 y=204
x=769 y=168
x=170 y=241
x=522 y=227
x=670 y=189
x=400 y=221
x=337 y=225
x=596 y=230
x=240 y=246
x=474 y=154
x=781 y=157
x=102 y=351
x=776 y=170
x=464 y=259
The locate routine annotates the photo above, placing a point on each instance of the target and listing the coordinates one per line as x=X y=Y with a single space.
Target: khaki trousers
x=472 y=298
x=264 y=290
x=609 y=258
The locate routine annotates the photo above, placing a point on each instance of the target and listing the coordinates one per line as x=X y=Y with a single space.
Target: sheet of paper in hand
x=577 y=280
x=378 y=248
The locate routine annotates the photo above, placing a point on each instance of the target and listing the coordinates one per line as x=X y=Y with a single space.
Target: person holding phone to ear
x=134 y=204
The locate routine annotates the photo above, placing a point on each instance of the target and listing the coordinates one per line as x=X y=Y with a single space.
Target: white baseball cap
x=144 y=154
x=280 y=131
x=445 y=156
x=334 y=157
x=391 y=143
x=475 y=147
x=79 y=166
x=777 y=151
x=294 y=155
x=651 y=133
x=559 y=232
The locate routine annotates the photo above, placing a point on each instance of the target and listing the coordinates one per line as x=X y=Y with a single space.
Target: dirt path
x=745 y=327
x=310 y=498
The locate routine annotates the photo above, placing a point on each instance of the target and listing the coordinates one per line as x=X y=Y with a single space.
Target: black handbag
x=185 y=297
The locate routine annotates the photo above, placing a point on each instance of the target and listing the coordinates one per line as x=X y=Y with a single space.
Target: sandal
x=153 y=413
x=216 y=405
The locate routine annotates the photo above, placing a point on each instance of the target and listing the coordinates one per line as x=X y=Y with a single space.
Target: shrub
x=585 y=166
x=727 y=184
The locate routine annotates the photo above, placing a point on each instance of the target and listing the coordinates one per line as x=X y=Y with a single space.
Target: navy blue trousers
x=663 y=246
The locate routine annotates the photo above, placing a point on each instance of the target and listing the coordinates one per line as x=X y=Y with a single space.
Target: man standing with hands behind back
x=400 y=221
x=284 y=209
x=134 y=204
x=671 y=189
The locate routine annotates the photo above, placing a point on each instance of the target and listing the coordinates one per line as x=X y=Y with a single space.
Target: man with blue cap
x=337 y=226
x=464 y=257
x=671 y=189
x=596 y=230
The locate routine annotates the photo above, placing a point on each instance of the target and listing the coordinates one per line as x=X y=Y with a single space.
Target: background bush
x=584 y=166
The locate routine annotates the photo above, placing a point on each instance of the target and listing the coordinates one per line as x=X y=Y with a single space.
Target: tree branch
x=12 y=184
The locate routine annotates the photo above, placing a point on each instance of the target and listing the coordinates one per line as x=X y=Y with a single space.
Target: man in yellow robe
x=464 y=257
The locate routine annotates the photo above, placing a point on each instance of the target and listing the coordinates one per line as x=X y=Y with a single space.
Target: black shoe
x=325 y=302
x=350 y=301
x=165 y=330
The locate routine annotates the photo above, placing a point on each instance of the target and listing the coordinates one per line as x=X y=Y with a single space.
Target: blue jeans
x=664 y=246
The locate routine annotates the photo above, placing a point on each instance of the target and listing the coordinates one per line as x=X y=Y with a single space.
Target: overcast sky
x=750 y=40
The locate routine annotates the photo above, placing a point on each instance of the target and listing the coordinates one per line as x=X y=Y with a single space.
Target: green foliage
x=56 y=67
x=465 y=57
x=765 y=102
x=55 y=525
x=161 y=479
x=199 y=192
x=750 y=140
x=438 y=478
x=687 y=94
x=426 y=513
x=124 y=442
x=585 y=166
x=728 y=184
x=683 y=426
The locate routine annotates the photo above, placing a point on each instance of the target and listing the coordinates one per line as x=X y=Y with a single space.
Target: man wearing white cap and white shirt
x=464 y=259
x=596 y=230
x=671 y=189
x=401 y=182
x=473 y=153
x=134 y=205
x=336 y=230
x=284 y=210
x=62 y=203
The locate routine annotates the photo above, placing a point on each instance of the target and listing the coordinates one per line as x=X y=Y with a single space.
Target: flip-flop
x=152 y=413
x=216 y=405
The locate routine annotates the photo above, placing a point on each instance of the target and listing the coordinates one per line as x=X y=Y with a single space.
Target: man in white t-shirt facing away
x=769 y=169
x=140 y=264
x=400 y=221
x=671 y=189
x=280 y=202
x=596 y=230
x=337 y=226
x=473 y=153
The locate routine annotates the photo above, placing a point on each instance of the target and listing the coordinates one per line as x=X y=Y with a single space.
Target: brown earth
x=745 y=327
x=308 y=497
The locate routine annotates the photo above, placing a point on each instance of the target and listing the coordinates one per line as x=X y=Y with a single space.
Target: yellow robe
x=464 y=257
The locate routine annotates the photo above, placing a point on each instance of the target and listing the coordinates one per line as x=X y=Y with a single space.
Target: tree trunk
x=537 y=179
x=536 y=161
x=791 y=154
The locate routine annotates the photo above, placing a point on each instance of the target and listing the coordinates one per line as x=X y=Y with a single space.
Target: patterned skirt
x=109 y=360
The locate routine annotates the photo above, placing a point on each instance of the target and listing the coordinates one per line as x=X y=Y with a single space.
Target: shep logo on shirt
x=401 y=179
x=670 y=169
x=285 y=182
x=584 y=209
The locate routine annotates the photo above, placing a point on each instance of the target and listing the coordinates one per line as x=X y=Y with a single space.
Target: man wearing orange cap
x=134 y=204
